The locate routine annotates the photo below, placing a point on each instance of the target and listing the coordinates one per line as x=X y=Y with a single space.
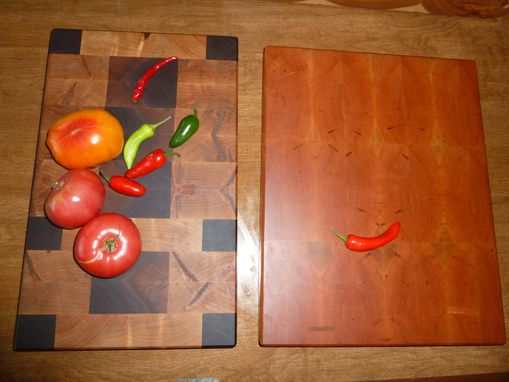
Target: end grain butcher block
x=181 y=292
x=355 y=142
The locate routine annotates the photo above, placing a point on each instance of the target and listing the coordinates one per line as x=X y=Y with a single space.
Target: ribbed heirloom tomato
x=85 y=139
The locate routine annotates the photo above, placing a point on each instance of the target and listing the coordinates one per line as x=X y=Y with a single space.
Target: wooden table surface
x=25 y=32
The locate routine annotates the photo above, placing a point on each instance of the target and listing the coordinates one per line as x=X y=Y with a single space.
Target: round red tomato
x=75 y=198
x=108 y=245
x=85 y=139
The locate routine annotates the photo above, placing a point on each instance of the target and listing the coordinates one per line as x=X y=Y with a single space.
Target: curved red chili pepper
x=149 y=163
x=124 y=185
x=359 y=243
x=142 y=82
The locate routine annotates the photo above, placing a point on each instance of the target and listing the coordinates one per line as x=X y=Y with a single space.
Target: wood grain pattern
x=108 y=331
x=61 y=306
x=348 y=142
x=25 y=32
x=482 y=8
x=128 y=44
x=51 y=284
x=76 y=80
x=217 y=92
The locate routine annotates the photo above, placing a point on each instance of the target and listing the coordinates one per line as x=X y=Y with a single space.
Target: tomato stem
x=111 y=244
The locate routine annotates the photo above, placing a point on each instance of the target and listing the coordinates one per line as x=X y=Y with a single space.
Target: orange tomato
x=85 y=139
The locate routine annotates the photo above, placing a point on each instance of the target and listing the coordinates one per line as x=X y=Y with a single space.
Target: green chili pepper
x=134 y=141
x=187 y=127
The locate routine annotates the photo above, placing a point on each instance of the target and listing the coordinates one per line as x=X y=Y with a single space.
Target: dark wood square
x=218 y=330
x=66 y=41
x=41 y=234
x=142 y=289
x=35 y=332
x=156 y=202
x=219 y=235
x=222 y=48
x=160 y=90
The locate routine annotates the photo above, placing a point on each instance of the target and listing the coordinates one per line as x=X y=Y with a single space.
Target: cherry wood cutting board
x=182 y=291
x=357 y=141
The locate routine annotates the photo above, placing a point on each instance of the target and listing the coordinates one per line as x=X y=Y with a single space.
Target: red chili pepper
x=142 y=82
x=151 y=162
x=359 y=243
x=124 y=185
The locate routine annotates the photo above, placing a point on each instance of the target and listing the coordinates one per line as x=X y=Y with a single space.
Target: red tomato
x=85 y=139
x=75 y=198
x=108 y=245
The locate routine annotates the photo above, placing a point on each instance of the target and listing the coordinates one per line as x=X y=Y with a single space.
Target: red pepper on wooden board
x=124 y=185
x=142 y=82
x=156 y=159
x=359 y=243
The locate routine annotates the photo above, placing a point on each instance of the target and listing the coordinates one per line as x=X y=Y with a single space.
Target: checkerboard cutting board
x=182 y=291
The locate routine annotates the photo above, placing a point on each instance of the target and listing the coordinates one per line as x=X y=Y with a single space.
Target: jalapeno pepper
x=142 y=82
x=186 y=128
x=124 y=185
x=134 y=141
x=151 y=162
x=359 y=243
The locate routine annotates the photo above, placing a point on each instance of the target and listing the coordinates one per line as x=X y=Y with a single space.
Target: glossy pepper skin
x=124 y=185
x=134 y=141
x=186 y=129
x=156 y=159
x=142 y=82
x=361 y=244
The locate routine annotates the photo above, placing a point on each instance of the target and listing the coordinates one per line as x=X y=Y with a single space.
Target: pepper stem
x=170 y=153
x=105 y=177
x=154 y=126
x=342 y=237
